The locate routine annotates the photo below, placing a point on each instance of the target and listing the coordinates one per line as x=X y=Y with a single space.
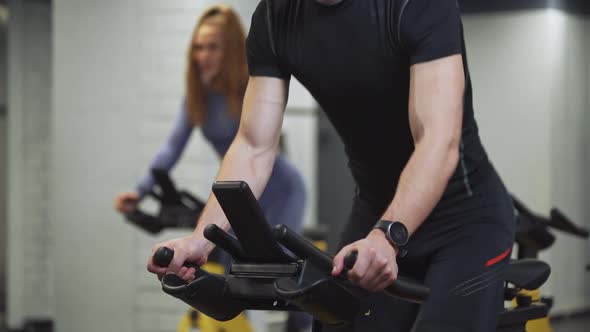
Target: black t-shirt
x=354 y=58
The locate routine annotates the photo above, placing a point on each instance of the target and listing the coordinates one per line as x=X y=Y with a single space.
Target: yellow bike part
x=321 y=244
x=213 y=267
x=205 y=323
x=536 y=325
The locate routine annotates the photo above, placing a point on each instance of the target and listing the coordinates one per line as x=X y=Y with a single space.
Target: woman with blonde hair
x=216 y=79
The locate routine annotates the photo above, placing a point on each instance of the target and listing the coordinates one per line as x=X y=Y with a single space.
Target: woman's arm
x=171 y=151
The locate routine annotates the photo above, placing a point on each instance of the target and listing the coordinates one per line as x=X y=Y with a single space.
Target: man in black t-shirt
x=392 y=76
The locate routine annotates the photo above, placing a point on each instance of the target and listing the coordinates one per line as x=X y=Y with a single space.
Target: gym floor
x=575 y=324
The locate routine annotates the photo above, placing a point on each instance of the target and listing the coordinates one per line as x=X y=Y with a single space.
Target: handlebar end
x=163 y=256
x=279 y=232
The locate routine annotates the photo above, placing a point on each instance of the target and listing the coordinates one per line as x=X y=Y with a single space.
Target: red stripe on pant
x=498 y=258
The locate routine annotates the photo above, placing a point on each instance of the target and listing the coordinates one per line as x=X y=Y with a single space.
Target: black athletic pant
x=459 y=253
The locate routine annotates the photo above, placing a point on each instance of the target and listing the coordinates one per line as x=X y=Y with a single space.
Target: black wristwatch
x=396 y=233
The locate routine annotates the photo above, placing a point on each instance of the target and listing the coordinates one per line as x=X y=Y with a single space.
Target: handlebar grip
x=408 y=290
x=163 y=256
x=350 y=259
x=405 y=289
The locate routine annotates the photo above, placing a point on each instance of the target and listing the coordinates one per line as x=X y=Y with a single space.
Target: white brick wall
x=29 y=229
x=93 y=157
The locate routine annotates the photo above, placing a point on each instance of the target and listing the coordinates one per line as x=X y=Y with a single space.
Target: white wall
x=3 y=157
x=94 y=150
x=3 y=214
x=512 y=94
x=3 y=53
x=570 y=162
x=28 y=232
x=118 y=83
x=587 y=139
x=529 y=101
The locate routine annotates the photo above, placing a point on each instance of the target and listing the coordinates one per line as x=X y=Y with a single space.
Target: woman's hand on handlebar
x=126 y=202
x=376 y=264
x=190 y=249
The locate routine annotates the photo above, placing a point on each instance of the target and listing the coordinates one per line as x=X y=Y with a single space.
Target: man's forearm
x=242 y=162
x=423 y=182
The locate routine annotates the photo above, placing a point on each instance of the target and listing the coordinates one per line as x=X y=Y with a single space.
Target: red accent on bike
x=499 y=258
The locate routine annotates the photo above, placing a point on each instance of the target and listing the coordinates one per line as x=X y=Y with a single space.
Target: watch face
x=398 y=233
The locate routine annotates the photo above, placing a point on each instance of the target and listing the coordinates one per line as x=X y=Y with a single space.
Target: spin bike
x=263 y=276
x=533 y=234
x=178 y=209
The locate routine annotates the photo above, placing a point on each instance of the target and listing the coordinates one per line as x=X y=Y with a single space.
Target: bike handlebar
x=401 y=288
x=163 y=256
x=559 y=221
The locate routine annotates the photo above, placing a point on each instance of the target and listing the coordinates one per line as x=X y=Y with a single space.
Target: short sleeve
x=262 y=60
x=431 y=29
